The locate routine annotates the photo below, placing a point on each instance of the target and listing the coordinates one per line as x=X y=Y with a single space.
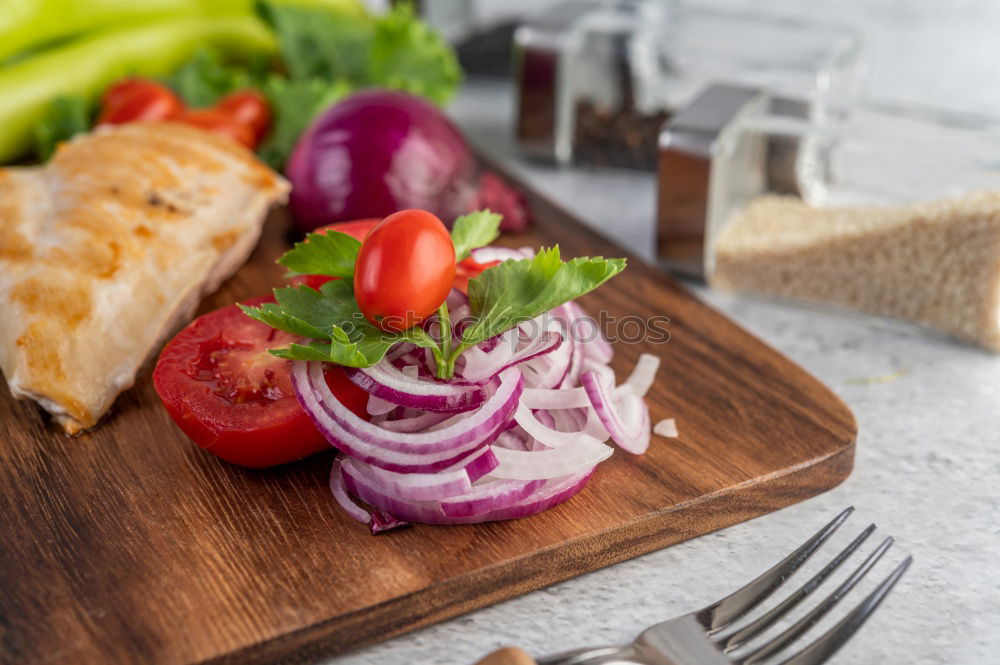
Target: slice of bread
x=936 y=264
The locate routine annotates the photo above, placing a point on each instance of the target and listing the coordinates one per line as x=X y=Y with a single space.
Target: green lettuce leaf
x=294 y=105
x=406 y=54
x=205 y=78
x=315 y=43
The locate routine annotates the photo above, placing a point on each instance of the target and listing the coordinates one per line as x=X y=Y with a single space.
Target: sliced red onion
x=416 y=423
x=565 y=398
x=383 y=521
x=483 y=368
x=478 y=464
x=623 y=414
x=595 y=427
x=545 y=418
x=517 y=439
x=666 y=428
x=429 y=363
x=572 y=376
x=399 y=351
x=475 y=506
x=340 y=493
x=388 y=382
x=512 y=439
x=562 y=398
x=379 y=407
x=583 y=455
x=546 y=435
x=553 y=492
x=488 y=254
x=567 y=420
x=587 y=330
x=549 y=371
x=363 y=487
x=403 y=451
x=643 y=374
x=488 y=496
x=455 y=300
x=542 y=497
x=454 y=481
x=377 y=520
x=482 y=447
x=495 y=341
x=546 y=372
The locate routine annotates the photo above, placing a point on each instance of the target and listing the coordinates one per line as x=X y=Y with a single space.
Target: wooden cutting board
x=131 y=545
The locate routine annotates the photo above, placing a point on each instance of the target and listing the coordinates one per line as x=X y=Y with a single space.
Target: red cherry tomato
x=357 y=228
x=219 y=122
x=405 y=269
x=135 y=99
x=250 y=108
x=467 y=269
x=233 y=398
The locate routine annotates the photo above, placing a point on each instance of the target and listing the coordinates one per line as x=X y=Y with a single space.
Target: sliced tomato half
x=467 y=269
x=233 y=398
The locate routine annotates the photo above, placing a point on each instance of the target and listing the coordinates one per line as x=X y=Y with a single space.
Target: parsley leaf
x=332 y=319
x=332 y=254
x=477 y=229
x=517 y=291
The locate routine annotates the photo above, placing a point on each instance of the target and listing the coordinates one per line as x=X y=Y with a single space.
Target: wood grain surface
x=131 y=545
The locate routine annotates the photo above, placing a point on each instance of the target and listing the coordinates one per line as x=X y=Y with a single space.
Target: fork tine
x=815 y=614
x=819 y=651
x=762 y=623
x=723 y=612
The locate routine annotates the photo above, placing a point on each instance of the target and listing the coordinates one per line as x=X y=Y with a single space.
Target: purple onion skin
x=376 y=152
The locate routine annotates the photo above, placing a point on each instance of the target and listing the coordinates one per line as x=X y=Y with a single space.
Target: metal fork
x=711 y=635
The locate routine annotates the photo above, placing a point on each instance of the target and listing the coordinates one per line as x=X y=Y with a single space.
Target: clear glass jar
x=621 y=68
x=884 y=209
x=855 y=154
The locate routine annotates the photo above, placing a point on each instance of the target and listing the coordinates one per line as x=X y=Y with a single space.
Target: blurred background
x=919 y=51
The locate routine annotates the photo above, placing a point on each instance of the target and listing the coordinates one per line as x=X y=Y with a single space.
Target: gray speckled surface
x=927 y=467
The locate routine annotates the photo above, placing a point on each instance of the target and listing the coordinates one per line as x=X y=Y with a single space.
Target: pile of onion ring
x=520 y=428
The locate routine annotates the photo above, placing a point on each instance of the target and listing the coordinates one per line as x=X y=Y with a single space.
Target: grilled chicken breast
x=109 y=246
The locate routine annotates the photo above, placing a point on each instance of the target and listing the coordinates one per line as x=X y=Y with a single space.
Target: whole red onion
x=376 y=152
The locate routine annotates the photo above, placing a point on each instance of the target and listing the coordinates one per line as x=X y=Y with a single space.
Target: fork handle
x=508 y=656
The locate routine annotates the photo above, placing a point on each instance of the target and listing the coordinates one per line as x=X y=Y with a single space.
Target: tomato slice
x=135 y=99
x=467 y=269
x=219 y=122
x=405 y=269
x=357 y=228
x=233 y=398
x=248 y=107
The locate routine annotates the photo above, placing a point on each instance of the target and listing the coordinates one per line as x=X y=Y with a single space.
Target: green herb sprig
x=500 y=298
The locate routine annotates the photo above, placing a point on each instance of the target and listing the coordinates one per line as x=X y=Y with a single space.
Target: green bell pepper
x=29 y=24
x=87 y=66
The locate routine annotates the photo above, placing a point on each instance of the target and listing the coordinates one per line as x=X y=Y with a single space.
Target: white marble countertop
x=927 y=472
